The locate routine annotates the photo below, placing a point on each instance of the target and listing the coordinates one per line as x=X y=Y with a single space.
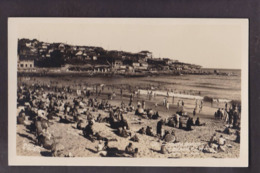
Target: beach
x=186 y=88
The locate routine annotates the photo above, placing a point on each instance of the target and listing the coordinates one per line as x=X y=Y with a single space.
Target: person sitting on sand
x=141 y=131
x=135 y=152
x=163 y=148
x=227 y=131
x=221 y=140
x=88 y=131
x=109 y=151
x=45 y=139
x=103 y=150
x=238 y=137
x=21 y=118
x=149 y=131
x=80 y=125
x=169 y=137
x=123 y=132
x=221 y=143
x=189 y=124
x=123 y=123
x=156 y=116
x=171 y=122
x=213 y=139
x=198 y=123
x=100 y=146
x=129 y=149
x=150 y=113
x=99 y=118
x=135 y=138
x=165 y=133
x=40 y=125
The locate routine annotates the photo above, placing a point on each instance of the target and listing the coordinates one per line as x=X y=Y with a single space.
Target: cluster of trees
x=56 y=60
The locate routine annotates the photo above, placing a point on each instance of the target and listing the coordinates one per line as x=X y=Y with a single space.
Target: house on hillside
x=74 y=48
x=81 y=48
x=34 y=42
x=117 y=64
x=140 y=66
x=130 y=69
x=25 y=63
x=28 y=44
x=79 y=55
x=44 y=46
x=94 y=57
x=102 y=68
x=144 y=65
x=156 y=61
x=169 y=61
x=61 y=47
x=147 y=54
x=136 y=64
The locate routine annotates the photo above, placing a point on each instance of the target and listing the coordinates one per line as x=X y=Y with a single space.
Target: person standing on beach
x=226 y=106
x=96 y=90
x=159 y=128
x=138 y=104
x=143 y=104
x=164 y=102
x=167 y=105
x=131 y=98
x=182 y=102
x=172 y=99
x=200 y=108
x=194 y=112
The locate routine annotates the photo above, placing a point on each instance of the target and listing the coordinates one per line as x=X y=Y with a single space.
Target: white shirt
x=221 y=141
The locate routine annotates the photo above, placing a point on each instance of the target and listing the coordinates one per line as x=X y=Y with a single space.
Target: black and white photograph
x=128 y=91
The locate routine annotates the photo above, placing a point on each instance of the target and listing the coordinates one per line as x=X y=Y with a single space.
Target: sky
x=210 y=43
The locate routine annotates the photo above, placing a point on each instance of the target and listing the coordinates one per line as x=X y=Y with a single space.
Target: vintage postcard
x=128 y=92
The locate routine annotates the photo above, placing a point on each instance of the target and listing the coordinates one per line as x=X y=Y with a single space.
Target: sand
x=189 y=145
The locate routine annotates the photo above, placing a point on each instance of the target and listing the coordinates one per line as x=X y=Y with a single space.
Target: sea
x=214 y=86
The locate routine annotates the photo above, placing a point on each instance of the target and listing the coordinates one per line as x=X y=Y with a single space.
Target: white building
x=25 y=64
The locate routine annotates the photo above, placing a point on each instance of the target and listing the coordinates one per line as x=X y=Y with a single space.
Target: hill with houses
x=34 y=54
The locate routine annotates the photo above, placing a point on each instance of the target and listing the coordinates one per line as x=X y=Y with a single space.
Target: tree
x=56 y=59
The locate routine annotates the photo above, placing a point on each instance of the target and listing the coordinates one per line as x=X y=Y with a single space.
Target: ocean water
x=216 y=86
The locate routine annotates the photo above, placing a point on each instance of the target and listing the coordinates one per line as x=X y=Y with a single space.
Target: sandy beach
x=190 y=143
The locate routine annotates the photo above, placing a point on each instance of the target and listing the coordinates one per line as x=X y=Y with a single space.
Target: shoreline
x=157 y=88
x=115 y=74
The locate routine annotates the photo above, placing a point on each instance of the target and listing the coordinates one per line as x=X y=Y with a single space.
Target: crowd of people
x=40 y=105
